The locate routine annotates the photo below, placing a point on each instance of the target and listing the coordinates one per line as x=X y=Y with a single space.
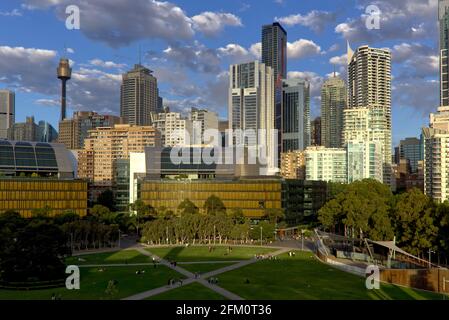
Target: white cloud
x=256 y=50
x=302 y=48
x=106 y=64
x=315 y=20
x=211 y=23
x=339 y=60
x=12 y=13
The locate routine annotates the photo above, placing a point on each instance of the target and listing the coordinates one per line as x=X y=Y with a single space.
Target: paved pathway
x=191 y=277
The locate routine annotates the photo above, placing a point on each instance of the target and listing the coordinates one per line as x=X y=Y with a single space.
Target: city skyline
x=317 y=36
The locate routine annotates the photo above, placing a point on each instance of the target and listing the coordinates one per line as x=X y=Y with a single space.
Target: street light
x=214 y=234
x=430 y=258
x=261 y=228
x=302 y=239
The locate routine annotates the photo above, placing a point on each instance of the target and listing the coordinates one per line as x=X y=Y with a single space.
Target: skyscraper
x=138 y=96
x=202 y=120
x=295 y=115
x=410 y=149
x=369 y=87
x=333 y=102
x=7 y=112
x=443 y=16
x=250 y=106
x=274 y=55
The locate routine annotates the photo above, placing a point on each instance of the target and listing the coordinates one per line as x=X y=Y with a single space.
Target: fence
x=436 y=280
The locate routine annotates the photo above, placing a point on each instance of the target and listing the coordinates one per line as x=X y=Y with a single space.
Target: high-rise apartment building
x=295 y=115
x=326 y=164
x=139 y=96
x=315 y=132
x=251 y=107
x=175 y=129
x=73 y=132
x=274 y=55
x=105 y=145
x=443 y=16
x=293 y=165
x=333 y=102
x=436 y=155
x=7 y=112
x=369 y=87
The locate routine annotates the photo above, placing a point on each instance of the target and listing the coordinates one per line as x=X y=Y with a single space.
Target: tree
x=213 y=205
x=415 y=227
x=36 y=253
x=274 y=215
x=187 y=207
x=237 y=216
x=41 y=212
x=266 y=228
x=106 y=199
x=98 y=211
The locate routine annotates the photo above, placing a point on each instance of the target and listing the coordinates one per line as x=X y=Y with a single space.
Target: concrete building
x=7 y=112
x=333 y=102
x=295 y=115
x=315 y=132
x=251 y=108
x=73 y=132
x=35 y=174
x=293 y=164
x=105 y=145
x=369 y=87
x=139 y=96
x=326 y=164
x=202 y=120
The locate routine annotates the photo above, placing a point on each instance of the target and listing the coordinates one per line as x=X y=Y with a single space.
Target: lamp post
x=430 y=258
x=119 y=237
x=261 y=228
x=302 y=239
x=214 y=234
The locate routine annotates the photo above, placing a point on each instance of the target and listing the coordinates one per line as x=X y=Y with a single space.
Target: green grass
x=94 y=283
x=202 y=268
x=193 y=291
x=303 y=277
x=116 y=257
x=201 y=253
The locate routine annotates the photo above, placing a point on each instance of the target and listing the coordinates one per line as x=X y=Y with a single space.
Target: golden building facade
x=252 y=196
x=24 y=195
x=293 y=165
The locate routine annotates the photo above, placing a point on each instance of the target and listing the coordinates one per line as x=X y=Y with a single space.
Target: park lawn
x=94 y=283
x=303 y=277
x=202 y=268
x=201 y=253
x=115 y=257
x=193 y=291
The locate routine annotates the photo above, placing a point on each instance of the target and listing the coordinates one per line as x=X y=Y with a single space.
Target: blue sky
x=189 y=45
